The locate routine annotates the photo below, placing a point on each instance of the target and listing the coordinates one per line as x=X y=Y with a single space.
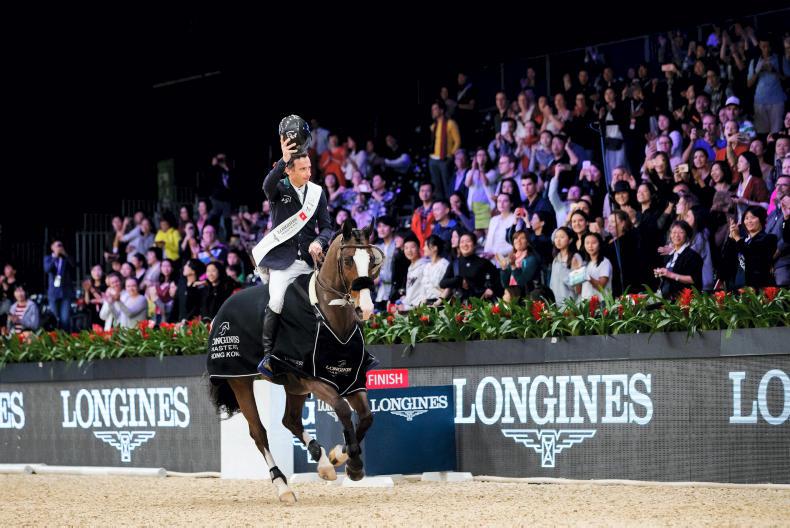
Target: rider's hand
x=288 y=147
x=316 y=251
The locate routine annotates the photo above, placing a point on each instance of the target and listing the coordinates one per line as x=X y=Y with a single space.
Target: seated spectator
x=580 y=226
x=235 y=258
x=496 y=241
x=190 y=291
x=153 y=259
x=211 y=249
x=204 y=215
x=184 y=218
x=131 y=307
x=92 y=293
x=470 y=275
x=218 y=288
x=522 y=267
x=480 y=197
x=23 y=315
x=168 y=237
x=422 y=219
x=757 y=147
x=139 y=239
x=341 y=216
x=381 y=195
x=7 y=284
x=138 y=263
x=460 y=212
x=508 y=186
x=166 y=288
x=533 y=201
x=751 y=250
x=334 y=192
x=189 y=247
x=598 y=274
x=720 y=176
x=413 y=291
x=443 y=224
x=683 y=267
x=111 y=295
x=775 y=226
x=736 y=143
x=434 y=269
x=386 y=284
x=566 y=259
x=356 y=159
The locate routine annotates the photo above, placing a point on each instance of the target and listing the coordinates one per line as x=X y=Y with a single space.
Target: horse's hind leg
x=292 y=420
x=242 y=388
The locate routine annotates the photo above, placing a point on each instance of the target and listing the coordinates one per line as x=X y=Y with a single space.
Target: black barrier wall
x=723 y=420
x=157 y=422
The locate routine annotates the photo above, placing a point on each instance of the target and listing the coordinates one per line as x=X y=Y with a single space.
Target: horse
x=339 y=296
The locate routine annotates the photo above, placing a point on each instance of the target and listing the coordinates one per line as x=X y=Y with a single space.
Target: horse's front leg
x=292 y=420
x=351 y=453
x=242 y=388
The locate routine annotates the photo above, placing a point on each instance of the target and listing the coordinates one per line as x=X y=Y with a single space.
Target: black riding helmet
x=296 y=129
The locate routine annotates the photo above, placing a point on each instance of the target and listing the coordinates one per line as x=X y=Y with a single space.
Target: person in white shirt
x=496 y=239
x=131 y=307
x=111 y=296
x=413 y=295
x=434 y=269
x=599 y=269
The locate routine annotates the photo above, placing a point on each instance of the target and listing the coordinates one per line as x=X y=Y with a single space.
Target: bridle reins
x=348 y=288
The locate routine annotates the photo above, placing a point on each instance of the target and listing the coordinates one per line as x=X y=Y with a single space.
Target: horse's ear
x=348 y=231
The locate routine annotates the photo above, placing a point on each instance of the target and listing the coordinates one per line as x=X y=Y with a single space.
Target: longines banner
x=724 y=419
x=161 y=422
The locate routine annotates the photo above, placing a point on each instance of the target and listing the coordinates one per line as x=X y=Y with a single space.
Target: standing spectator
x=613 y=120
x=751 y=189
x=598 y=274
x=111 y=295
x=203 y=218
x=522 y=266
x=505 y=141
x=115 y=246
x=625 y=241
x=184 y=218
x=757 y=147
x=683 y=268
x=221 y=193
x=465 y=99
x=700 y=243
x=470 y=275
x=211 y=249
x=422 y=219
x=566 y=259
x=189 y=291
x=533 y=201
x=496 y=241
x=562 y=207
x=319 y=138
x=7 y=284
x=494 y=119
x=446 y=140
x=356 y=159
x=93 y=293
x=775 y=226
x=218 y=289
x=139 y=239
x=167 y=288
x=765 y=72
x=153 y=259
x=458 y=182
x=60 y=279
x=168 y=237
x=751 y=250
x=23 y=315
x=384 y=282
x=333 y=159
x=480 y=199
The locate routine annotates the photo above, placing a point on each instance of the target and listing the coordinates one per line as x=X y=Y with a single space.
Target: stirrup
x=264 y=367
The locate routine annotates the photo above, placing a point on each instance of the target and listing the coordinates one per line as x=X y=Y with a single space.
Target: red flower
x=21 y=338
x=374 y=325
x=636 y=297
x=720 y=297
x=97 y=329
x=605 y=312
x=53 y=336
x=594 y=303
x=495 y=309
x=537 y=310
x=392 y=308
x=771 y=292
x=620 y=310
x=390 y=320
x=75 y=334
x=685 y=297
x=143 y=326
x=425 y=319
x=459 y=318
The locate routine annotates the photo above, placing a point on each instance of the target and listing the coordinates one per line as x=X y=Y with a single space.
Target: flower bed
x=479 y=320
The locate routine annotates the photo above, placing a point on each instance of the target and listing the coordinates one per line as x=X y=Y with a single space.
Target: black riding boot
x=271 y=321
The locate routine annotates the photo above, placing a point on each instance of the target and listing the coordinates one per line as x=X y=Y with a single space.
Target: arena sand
x=57 y=500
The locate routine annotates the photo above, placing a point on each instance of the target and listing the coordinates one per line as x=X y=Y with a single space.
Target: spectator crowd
x=668 y=175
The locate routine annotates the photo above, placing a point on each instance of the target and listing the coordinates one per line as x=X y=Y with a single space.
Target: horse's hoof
x=325 y=468
x=355 y=475
x=288 y=498
x=337 y=456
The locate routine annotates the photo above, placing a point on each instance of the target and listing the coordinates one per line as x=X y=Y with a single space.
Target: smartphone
x=503 y=128
x=586 y=164
x=683 y=167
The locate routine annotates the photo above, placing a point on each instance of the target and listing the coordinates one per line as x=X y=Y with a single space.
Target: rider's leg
x=279 y=280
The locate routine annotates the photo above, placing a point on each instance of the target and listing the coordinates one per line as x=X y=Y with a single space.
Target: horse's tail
x=222 y=397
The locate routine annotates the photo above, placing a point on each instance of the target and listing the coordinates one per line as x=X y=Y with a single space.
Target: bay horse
x=340 y=292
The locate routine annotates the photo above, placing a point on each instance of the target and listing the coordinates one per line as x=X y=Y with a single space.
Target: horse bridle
x=346 y=295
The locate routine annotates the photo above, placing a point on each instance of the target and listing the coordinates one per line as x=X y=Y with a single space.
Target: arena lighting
x=186 y=79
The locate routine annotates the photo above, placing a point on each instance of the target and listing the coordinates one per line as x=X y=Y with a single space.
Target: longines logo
x=119 y=409
x=545 y=400
x=548 y=442
x=125 y=441
x=408 y=407
x=781 y=390
x=12 y=411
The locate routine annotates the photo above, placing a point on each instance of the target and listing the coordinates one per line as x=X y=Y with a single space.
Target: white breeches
x=279 y=280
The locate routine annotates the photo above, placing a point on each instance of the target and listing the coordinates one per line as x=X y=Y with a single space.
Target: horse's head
x=359 y=263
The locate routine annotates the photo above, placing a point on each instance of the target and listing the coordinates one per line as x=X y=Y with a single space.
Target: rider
x=298 y=211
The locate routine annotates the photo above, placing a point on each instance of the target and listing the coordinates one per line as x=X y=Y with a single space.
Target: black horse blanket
x=304 y=344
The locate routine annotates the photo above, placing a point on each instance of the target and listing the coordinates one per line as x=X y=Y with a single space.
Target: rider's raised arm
x=270 y=182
